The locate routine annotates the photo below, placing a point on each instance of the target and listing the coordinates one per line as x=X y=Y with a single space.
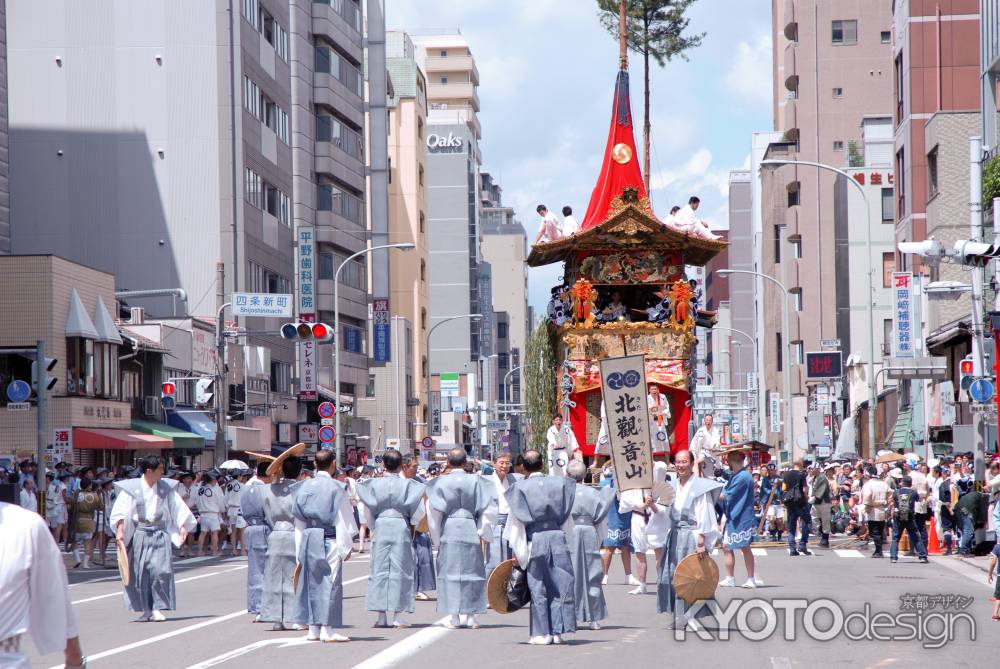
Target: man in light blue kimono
x=255 y=536
x=460 y=512
x=425 y=578
x=741 y=523
x=540 y=518
x=590 y=515
x=277 y=604
x=324 y=533
x=694 y=528
x=393 y=506
x=147 y=518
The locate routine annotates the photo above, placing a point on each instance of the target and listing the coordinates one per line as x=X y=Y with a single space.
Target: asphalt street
x=211 y=628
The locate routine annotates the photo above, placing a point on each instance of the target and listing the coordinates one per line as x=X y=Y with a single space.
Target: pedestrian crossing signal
x=168 y=395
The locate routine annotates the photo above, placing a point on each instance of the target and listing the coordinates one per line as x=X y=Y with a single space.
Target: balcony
x=788 y=65
x=458 y=63
x=454 y=91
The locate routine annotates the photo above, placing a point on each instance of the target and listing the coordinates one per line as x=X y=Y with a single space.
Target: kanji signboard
x=623 y=388
x=902 y=315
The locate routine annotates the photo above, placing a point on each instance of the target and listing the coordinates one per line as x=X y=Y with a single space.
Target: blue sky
x=547 y=71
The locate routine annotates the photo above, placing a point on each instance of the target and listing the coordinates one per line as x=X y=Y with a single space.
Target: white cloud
x=749 y=75
x=505 y=73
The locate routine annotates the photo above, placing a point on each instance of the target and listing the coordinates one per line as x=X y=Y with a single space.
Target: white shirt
x=570 y=226
x=214 y=502
x=501 y=486
x=28 y=500
x=54 y=494
x=704 y=513
x=561 y=439
x=704 y=439
x=34 y=597
x=662 y=409
x=125 y=511
x=549 y=227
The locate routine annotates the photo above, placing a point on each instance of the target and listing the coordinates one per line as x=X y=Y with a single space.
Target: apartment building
x=4 y=137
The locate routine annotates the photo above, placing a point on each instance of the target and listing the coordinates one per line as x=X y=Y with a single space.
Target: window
x=885 y=36
x=900 y=89
x=272 y=31
x=444 y=53
x=444 y=80
x=422 y=218
x=502 y=330
x=335 y=199
x=348 y=10
x=888 y=267
x=276 y=203
x=253 y=188
x=797 y=249
x=887 y=336
x=423 y=319
x=250 y=12
x=798 y=300
x=370 y=386
x=779 y=350
x=79 y=365
x=423 y=270
x=777 y=243
x=105 y=370
x=845 y=32
x=838 y=145
x=503 y=360
x=281 y=377
x=932 y=173
x=793 y=197
x=330 y=61
x=838 y=92
x=420 y=175
x=352 y=339
x=798 y=355
x=887 y=213
x=251 y=97
x=333 y=130
x=263 y=280
x=352 y=275
x=901 y=182
x=420 y=129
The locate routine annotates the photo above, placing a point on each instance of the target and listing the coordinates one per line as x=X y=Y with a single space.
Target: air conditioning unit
x=151 y=406
x=137 y=316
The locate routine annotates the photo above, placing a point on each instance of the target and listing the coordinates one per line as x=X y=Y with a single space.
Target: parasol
x=889 y=457
x=696 y=578
x=123 y=566
x=234 y=464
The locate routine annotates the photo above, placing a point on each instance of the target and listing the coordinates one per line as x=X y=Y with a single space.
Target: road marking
x=192 y=560
x=244 y=650
x=780 y=663
x=160 y=637
x=182 y=580
x=848 y=552
x=759 y=552
x=411 y=645
x=355 y=580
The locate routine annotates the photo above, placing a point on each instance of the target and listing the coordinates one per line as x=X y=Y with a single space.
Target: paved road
x=212 y=629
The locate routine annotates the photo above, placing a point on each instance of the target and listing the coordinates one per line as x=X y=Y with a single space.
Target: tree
x=539 y=374
x=654 y=29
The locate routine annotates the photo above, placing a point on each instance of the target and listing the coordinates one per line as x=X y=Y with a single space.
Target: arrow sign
x=981 y=390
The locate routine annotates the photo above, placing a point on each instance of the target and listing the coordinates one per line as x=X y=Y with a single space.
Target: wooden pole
x=622 y=37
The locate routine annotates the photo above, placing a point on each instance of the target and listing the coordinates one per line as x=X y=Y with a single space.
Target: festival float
x=625 y=292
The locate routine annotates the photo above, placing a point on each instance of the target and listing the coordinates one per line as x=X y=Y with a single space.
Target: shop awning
x=178 y=438
x=94 y=438
x=196 y=422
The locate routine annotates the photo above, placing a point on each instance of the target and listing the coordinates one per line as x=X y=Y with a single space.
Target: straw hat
x=496 y=586
x=123 y=566
x=274 y=469
x=696 y=578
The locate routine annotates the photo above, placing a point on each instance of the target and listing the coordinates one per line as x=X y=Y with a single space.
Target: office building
x=4 y=137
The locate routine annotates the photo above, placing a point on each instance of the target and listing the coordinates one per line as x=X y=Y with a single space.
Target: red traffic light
x=168 y=388
x=965 y=367
x=320 y=332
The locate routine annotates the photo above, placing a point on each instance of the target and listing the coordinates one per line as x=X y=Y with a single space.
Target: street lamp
x=871 y=276
x=506 y=389
x=427 y=347
x=405 y=246
x=750 y=339
x=787 y=367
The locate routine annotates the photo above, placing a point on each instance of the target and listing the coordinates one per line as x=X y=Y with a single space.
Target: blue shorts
x=618 y=538
x=740 y=539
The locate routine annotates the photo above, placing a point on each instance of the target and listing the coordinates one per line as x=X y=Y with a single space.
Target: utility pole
x=220 y=452
x=976 y=235
x=40 y=392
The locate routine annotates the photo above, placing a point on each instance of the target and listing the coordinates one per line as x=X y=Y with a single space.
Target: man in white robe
x=562 y=446
x=704 y=448
x=687 y=220
x=650 y=521
x=148 y=516
x=548 y=226
x=569 y=224
x=34 y=596
x=659 y=418
x=502 y=479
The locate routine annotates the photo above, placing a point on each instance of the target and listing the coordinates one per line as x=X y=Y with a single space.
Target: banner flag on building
x=902 y=315
x=623 y=389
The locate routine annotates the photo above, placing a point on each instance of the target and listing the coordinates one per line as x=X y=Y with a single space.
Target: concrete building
x=155 y=142
x=4 y=137
x=503 y=246
x=831 y=73
x=935 y=53
x=388 y=401
x=453 y=227
x=989 y=65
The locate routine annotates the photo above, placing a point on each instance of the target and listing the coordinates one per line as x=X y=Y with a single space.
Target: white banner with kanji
x=623 y=389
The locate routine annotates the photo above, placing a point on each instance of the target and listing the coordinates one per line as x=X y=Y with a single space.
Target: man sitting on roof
x=686 y=221
x=549 y=229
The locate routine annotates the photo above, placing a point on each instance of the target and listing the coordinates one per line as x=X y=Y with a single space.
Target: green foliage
x=540 y=383
x=855 y=156
x=991 y=182
x=655 y=27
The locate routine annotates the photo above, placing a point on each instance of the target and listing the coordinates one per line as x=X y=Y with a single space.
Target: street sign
x=327 y=433
x=326 y=410
x=981 y=390
x=18 y=391
x=262 y=304
x=902 y=315
x=427 y=442
x=497 y=425
x=326 y=421
x=380 y=330
x=934 y=368
x=18 y=406
x=829 y=343
x=975 y=408
x=307 y=433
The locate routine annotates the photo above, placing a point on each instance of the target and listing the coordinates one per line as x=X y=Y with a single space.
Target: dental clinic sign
x=449 y=143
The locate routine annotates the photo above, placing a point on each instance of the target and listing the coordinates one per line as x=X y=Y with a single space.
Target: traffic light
x=204 y=390
x=965 y=369
x=977 y=254
x=168 y=395
x=318 y=332
x=50 y=381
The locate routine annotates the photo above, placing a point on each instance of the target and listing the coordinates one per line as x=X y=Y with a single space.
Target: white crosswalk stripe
x=848 y=552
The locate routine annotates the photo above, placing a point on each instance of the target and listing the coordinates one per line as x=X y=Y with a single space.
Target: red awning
x=89 y=437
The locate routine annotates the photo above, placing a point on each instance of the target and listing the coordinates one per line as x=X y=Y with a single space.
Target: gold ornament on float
x=621 y=153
